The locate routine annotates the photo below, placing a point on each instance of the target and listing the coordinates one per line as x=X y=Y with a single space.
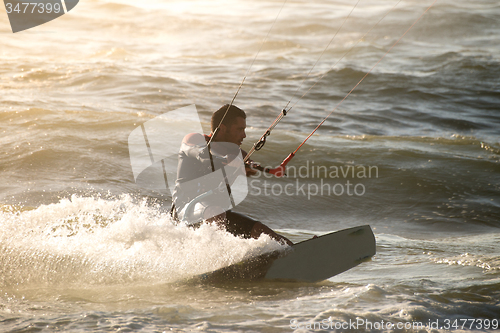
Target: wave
x=96 y=241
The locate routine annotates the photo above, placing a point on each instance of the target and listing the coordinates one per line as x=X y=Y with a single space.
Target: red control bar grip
x=280 y=171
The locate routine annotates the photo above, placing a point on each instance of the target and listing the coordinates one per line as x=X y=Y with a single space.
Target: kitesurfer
x=194 y=198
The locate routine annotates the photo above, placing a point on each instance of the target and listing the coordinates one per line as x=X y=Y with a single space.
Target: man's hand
x=251 y=168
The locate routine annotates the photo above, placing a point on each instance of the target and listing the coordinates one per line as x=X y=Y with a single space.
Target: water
x=83 y=248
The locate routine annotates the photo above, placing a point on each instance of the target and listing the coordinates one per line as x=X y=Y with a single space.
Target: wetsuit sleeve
x=195 y=146
x=198 y=152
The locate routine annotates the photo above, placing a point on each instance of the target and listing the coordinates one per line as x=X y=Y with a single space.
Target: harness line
x=321 y=55
x=244 y=77
x=217 y=129
x=260 y=143
x=345 y=54
x=280 y=170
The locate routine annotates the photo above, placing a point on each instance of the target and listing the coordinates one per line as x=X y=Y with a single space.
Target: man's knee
x=259 y=229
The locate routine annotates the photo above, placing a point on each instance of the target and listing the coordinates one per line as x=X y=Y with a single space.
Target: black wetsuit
x=194 y=186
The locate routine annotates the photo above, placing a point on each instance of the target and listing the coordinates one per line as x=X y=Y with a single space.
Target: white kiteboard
x=313 y=260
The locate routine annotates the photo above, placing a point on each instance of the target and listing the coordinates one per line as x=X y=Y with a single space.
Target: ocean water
x=414 y=152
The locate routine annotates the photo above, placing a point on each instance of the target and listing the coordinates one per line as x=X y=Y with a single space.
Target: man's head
x=232 y=128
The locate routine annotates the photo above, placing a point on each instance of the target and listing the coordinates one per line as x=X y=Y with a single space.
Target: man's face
x=234 y=133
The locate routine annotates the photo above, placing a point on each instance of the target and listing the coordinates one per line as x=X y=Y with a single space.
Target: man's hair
x=230 y=118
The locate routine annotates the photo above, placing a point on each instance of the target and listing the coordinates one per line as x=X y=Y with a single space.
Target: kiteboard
x=313 y=260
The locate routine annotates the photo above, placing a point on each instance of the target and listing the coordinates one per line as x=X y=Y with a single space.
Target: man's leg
x=241 y=225
x=259 y=229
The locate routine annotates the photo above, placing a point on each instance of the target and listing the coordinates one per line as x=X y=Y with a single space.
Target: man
x=195 y=197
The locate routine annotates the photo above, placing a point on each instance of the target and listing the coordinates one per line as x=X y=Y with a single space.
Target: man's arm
x=194 y=145
x=251 y=167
